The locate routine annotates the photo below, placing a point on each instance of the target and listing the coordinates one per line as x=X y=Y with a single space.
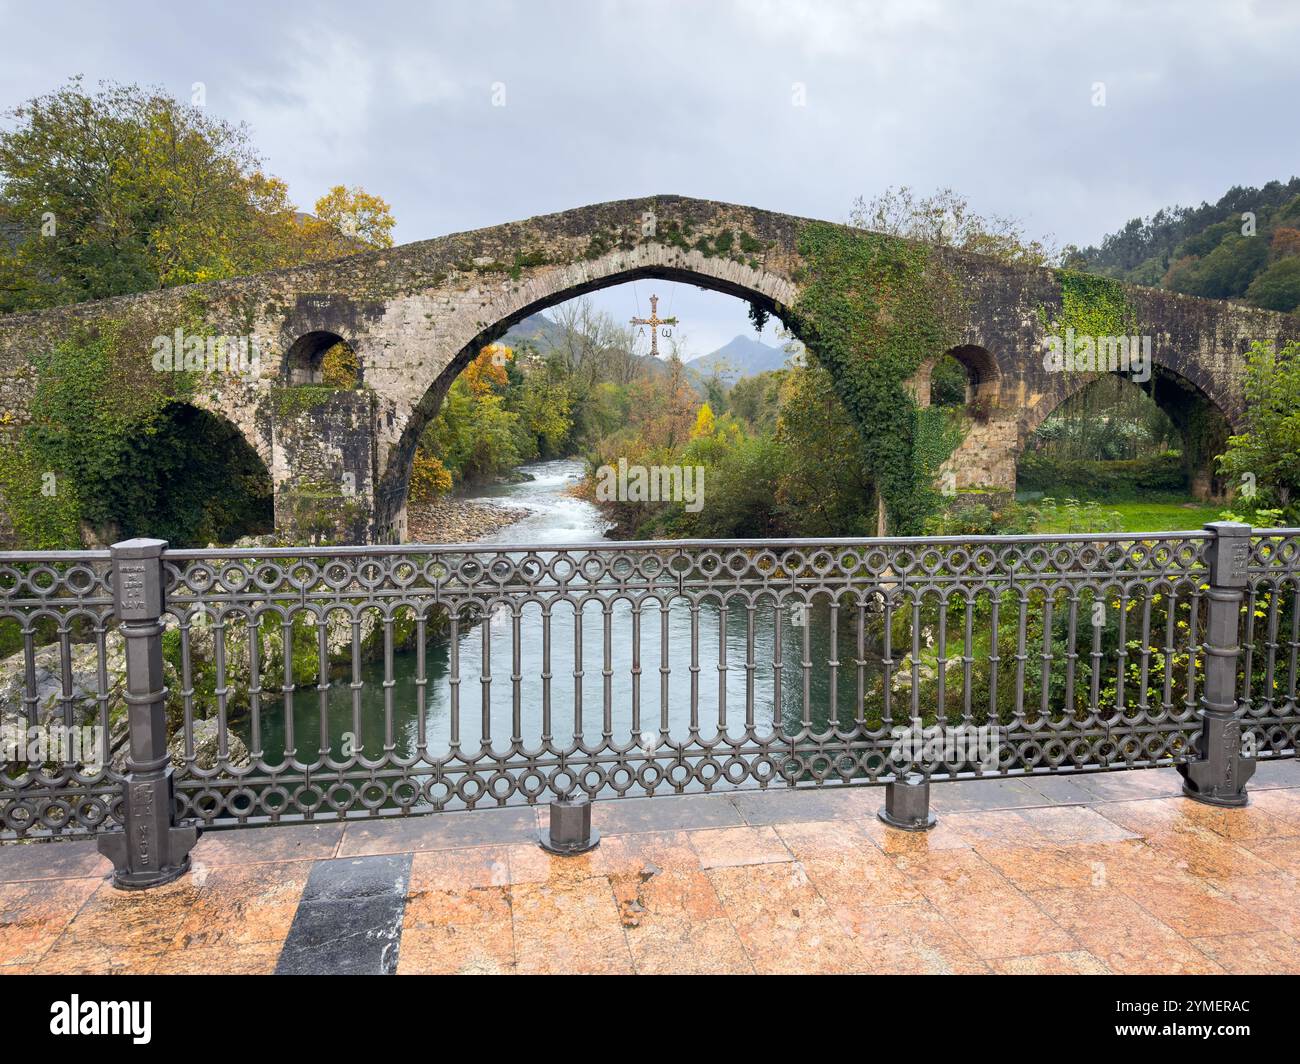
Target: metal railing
x=228 y=687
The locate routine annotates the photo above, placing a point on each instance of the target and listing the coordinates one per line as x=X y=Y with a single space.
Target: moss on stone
x=873 y=309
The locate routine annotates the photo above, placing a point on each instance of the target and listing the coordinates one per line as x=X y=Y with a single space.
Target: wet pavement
x=1085 y=874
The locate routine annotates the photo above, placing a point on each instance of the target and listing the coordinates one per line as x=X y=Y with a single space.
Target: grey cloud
x=615 y=99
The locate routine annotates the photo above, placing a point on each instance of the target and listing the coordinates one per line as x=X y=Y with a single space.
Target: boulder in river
x=206 y=746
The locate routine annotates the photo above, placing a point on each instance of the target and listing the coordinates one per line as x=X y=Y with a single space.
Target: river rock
x=338 y=644
x=84 y=689
x=206 y=746
x=926 y=673
x=448 y=520
x=49 y=681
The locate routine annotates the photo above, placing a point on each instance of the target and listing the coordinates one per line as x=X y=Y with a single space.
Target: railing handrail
x=37 y=556
x=352 y=551
x=679 y=544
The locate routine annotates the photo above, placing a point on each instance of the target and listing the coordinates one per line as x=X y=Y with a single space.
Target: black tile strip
x=349 y=921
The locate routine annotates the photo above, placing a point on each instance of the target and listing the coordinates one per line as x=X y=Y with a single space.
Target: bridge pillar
x=1219 y=773
x=985 y=460
x=323 y=455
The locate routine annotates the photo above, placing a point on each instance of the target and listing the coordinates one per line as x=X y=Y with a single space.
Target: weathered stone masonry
x=415 y=315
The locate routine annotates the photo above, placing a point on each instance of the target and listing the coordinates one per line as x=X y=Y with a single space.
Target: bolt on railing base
x=907 y=804
x=570 y=832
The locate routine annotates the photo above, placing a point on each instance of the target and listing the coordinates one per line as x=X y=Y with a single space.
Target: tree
x=705 y=422
x=663 y=407
x=474 y=436
x=1225 y=272
x=543 y=405
x=429 y=477
x=127 y=189
x=350 y=217
x=1278 y=287
x=1267 y=455
x=946 y=219
x=825 y=487
x=106 y=193
x=757 y=400
x=585 y=339
x=487 y=373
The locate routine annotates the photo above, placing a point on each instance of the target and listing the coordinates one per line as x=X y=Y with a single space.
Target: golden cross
x=654 y=321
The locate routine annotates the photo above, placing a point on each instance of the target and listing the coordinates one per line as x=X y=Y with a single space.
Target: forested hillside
x=1246 y=246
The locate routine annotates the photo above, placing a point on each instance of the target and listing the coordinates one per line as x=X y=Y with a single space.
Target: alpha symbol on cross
x=654 y=321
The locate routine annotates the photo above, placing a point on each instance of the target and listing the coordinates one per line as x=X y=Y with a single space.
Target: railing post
x=570 y=831
x=907 y=802
x=153 y=849
x=1219 y=773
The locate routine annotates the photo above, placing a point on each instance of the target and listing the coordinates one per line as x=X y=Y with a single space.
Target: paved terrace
x=1090 y=874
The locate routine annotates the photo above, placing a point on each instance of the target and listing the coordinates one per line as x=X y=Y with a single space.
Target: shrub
x=1162 y=473
x=429 y=477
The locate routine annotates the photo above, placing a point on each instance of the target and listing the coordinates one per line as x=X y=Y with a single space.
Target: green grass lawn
x=1156 y=516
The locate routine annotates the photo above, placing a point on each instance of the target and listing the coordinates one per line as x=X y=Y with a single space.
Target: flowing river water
x=487 y=710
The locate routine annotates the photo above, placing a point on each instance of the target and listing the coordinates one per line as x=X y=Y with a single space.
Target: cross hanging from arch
x=654 y=321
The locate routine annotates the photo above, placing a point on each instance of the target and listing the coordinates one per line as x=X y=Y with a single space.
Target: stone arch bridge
x=416 y=315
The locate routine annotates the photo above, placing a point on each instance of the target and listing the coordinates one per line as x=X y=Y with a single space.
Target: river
x=487 y=710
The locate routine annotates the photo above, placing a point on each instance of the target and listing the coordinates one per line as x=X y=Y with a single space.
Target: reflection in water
x=503 y=697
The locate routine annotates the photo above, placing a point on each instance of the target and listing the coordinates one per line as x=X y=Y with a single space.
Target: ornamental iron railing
x=214 y=688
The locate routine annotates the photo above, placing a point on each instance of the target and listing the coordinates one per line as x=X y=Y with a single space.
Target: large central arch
x=766 y=290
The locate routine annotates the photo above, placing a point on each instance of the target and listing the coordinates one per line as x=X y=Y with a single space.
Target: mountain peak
x=741 y=356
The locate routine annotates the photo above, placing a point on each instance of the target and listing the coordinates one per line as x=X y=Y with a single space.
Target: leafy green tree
x=825 y=486
x=1278 y=287
x=1267 y=454
x=757 y=400
x=739 y=492
x=605 y=412
x=543 y=404
x=1226 y=272
x=111 y=191
x=474 y=435
x=126 y=189
x=352 y=219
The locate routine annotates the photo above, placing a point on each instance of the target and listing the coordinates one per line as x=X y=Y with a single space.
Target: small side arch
x=983 y=378
x=321 y=357
x=1203 y=422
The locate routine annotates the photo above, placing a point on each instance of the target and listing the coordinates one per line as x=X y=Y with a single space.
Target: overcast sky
x=609 y=100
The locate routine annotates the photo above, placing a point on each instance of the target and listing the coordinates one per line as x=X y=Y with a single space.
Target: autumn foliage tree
x=351 y=217
x=127 y=189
